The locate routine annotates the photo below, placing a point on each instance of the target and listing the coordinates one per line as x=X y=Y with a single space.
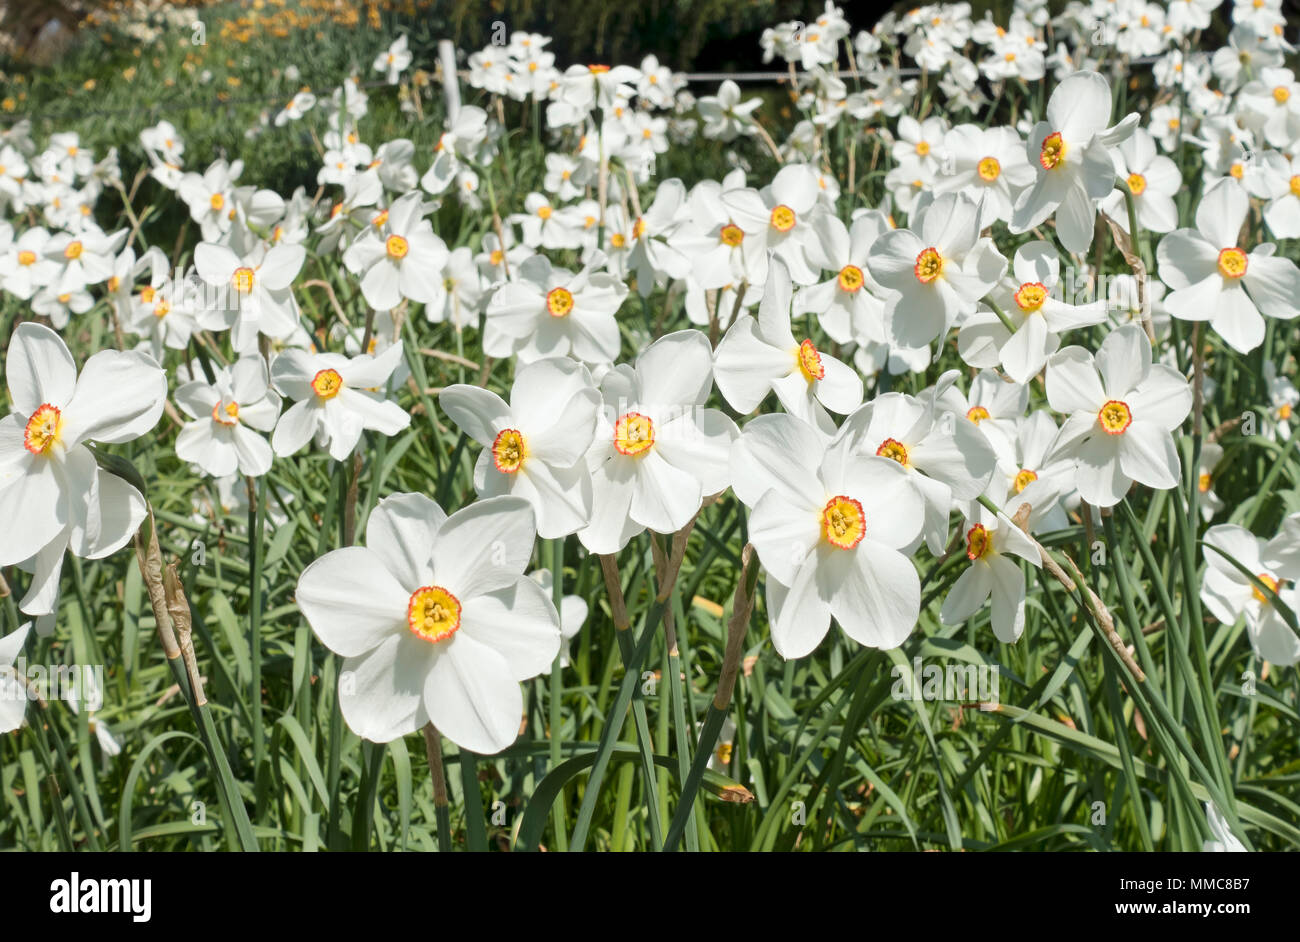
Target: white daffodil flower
x=658 y=452
x=761 y=355
x=1229 y=595
x=53 y=495
x=336 y=398
x=1071 y=152
x=547 y=312
x=993 y=545
x=937 y=270
x=399 y=256
x=1122 y=410
x=252 y=294
x=435 y=620
x=1038 y=318
x=222 y=439
x=535 y=446
x=1214 y=280
x=832 y=529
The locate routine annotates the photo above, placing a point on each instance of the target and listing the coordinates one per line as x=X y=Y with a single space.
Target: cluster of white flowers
x=796 y=289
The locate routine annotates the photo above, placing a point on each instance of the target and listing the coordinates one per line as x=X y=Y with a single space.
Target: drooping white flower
x=1229 y=595
x=991 y=544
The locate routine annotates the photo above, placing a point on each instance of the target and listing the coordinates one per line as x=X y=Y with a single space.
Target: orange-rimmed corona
x=929 y=265
x=396 y=246
x=1269 y=581
x=227 y=414
x=559 y=302
x=977 y=414
x=1024 y=479
x=783 y=218
x=508 y=450
x=1052 y=154
x=1030 y=296
x=1233 y=263
x=327 y=384
x=1115 y=417
x=731 y=234
x=978 y=542
x=843 y=522
x=634 y=434
x=242 y=280
x=433 y=613
x=810 y=362
x=894 y=450
x=851 y=279
x=43 y=429
x=989 y=169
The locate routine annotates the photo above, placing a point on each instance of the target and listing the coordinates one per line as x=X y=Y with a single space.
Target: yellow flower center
x=544 y=212
x=496 y=257
x=43 y=429
x=146 y=295
x=73 y=251
x=1284 y=411
x=509 y=451
x=396 y=247
x=1053 y=153
x=723 y=752
x=638 y=230
x=1232 y=263
x=433 y=613
x=1203 y=482
x=217 y=201
x=242 y=279
x=634 y=433
x=989 y=169
x=1115 y=417
x=1237 y=170
x=922 y=148
x=843 y=523
x=1137 y=183
x=381 y=217
x=227 y=414
x=618 y=240
x=1268 y=581
x=1281 y=94
x=810 y=362
x=851 y=279
x=1295 y=185
x=731 y=235
x=1024 y=479
x=559 y=302
x=895 y=450
x=929 y=266
x=162 y=308
x=978 y=542
x=1030 y=296
x=977 y=414
x=26 y=258
x=783 y=218
x=327 y=383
